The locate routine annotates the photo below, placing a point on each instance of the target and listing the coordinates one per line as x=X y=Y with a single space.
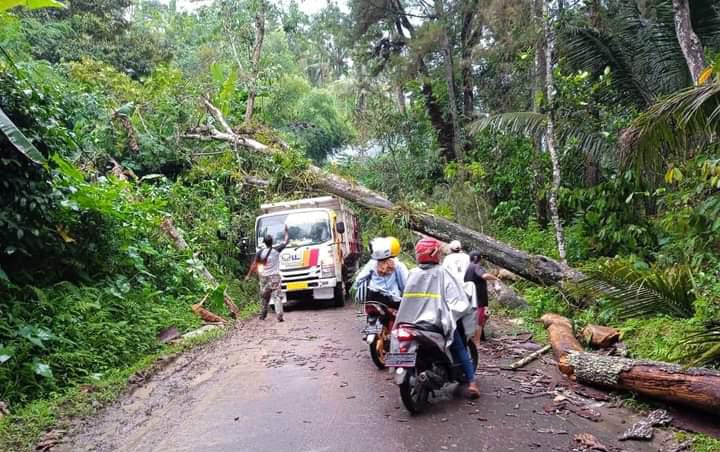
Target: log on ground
x=562 y=340
x=695 y=387
x=600 y=336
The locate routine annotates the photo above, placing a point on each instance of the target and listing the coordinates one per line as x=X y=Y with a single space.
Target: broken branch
x=529 y=358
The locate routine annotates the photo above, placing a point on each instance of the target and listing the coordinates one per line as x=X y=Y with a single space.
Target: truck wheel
x=339 y=296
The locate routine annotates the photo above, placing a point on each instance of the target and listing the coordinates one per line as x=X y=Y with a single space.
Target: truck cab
x=323 y=248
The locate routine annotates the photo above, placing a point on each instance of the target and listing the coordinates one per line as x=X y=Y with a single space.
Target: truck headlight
x=327 y=267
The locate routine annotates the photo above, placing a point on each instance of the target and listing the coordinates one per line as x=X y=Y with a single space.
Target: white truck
x=323 y=250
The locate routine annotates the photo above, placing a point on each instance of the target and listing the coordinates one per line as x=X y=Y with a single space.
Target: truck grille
x=305 y=274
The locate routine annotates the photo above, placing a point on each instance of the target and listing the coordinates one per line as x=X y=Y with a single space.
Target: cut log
x=536 y=268
x=177 y=237
x=600 y=336
x=529 y=358
x=562 y=340
x=695 y=387
x=207 y=315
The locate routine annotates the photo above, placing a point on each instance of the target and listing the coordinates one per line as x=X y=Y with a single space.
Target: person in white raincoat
x=435 y=299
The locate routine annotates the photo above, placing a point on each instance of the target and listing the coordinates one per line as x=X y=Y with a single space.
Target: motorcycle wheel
x=413 y=395
x=378 y=348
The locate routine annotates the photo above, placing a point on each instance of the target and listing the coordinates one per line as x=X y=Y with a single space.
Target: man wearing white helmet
x=384 y=272
x=457 y=261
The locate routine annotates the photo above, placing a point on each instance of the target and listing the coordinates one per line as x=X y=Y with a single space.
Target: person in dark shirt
x=477 y=274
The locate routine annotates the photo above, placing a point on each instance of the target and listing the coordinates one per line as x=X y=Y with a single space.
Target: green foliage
x=700 y=442
x=689 y=229
x=30 y=4
x=643 y=341
x=310 y=117
x=531 y=238
x=611 y=216
x=634 y=289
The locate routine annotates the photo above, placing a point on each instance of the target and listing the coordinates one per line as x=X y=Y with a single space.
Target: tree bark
x=469 y=36
x=550 y=132
x=536 y=268
x=257 y=53
x=562 y=340
x=696 y=387
x=437 y=119
x=447 y=47
x=600 y=336
x=538 y=86
x=690 y=44
x=400 y=94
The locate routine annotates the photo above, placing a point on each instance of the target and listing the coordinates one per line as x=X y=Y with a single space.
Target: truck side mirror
x=340 y=227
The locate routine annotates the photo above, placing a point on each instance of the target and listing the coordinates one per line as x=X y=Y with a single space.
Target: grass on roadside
x=21 y=430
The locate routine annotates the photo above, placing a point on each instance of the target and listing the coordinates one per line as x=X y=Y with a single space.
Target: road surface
x=308 y=385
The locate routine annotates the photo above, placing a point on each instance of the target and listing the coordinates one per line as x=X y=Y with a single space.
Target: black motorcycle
x=422 y=363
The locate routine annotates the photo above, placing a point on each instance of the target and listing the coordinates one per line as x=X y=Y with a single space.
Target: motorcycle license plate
x=400 y=359
x=372 y=329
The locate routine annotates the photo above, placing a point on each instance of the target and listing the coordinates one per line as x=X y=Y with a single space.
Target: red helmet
x=427 y=251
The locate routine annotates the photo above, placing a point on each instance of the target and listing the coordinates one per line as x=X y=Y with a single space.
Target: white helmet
x=384 y=248
x=455 y=245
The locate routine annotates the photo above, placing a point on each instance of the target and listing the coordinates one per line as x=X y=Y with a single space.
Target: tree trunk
x=400 y=94
x=699 y=388
x=690 y=44
x=536 y=268
x=437 y=119
x=447 y=48
x=562 y=340
x=538 y=86
x=469 y=36
x=257 y=52
x=550 y=132
x=600 y=336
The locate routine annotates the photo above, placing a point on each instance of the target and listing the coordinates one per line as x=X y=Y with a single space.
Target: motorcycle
x=422 y=361
x=380 y=309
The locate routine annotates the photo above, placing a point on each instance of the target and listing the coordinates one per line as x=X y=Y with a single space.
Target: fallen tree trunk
x=176 y=236
x=536 y=268
x=696 y=387
x=562 y=340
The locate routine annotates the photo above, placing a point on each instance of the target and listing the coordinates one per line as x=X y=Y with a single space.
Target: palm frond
x=674 y=124
x=525 y=123
x=591 y=50
x=703 y=347
x=634 y=292
x=590 y=142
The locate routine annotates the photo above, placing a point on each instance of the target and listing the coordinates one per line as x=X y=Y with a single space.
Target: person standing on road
x=457 y=261
x=477 y=274
x=267 y=264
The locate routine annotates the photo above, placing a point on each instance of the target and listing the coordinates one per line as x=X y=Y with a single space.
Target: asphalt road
x=308 y=384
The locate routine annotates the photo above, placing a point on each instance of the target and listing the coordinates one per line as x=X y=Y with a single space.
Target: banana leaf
x=19 y=140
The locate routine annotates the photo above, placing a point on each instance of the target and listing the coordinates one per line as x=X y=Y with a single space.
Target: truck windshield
x=304 y=228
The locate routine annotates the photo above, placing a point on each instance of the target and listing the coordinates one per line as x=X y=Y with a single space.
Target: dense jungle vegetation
x=586 y=131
